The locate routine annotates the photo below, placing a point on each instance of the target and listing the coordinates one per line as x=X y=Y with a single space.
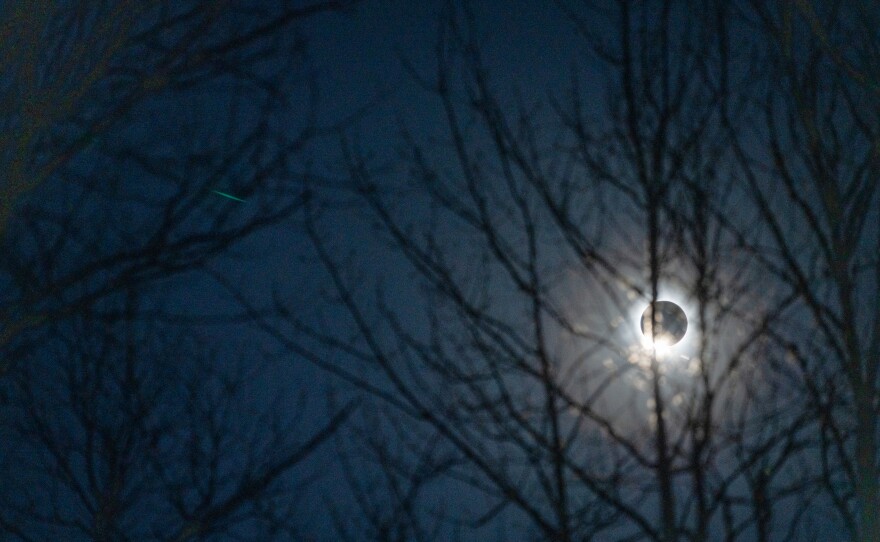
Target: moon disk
x=670 y=323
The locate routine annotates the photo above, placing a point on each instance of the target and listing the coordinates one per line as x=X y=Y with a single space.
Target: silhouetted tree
x=134 y=432
x=534 y=237
x=119 y=119
x=391 y=472
x=809 y=163
x=143 y=143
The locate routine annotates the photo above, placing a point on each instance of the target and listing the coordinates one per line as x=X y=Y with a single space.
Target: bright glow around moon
x=670 y=324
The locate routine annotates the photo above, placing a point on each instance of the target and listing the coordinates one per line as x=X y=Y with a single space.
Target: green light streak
x=225 y=195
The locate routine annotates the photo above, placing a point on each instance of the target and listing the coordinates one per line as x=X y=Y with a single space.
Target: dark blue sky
x=529 y=46
x=530 y=49
x=366 y=97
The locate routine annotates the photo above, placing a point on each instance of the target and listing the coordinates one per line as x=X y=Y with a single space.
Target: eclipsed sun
x=664 y=323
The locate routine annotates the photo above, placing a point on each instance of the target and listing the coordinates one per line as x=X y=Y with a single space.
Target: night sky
x=259 y=281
